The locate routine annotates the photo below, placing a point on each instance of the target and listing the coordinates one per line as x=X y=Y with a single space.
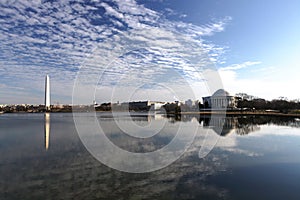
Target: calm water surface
x=254 y=158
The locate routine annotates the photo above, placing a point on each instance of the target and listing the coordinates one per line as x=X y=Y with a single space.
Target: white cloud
x=240 y=66
x=57 y=37
x=264 y=83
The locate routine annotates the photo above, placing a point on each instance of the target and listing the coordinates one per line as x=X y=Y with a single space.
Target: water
x=254 y=158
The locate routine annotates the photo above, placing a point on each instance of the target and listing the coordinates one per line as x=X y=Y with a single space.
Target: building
x=47 y=93
x=221 y=99
x=189 y=103
x=139 y=106
x=156 y=105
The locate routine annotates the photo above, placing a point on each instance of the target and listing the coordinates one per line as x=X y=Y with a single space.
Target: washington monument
x=47 y=93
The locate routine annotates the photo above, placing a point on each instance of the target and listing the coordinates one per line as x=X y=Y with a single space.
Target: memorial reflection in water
x=246 y=147
x=215 y=126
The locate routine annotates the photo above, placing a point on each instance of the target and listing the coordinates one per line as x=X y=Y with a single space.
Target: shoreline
x=241 y=113
x=227 y=113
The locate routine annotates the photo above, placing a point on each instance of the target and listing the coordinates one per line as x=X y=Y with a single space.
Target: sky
x=120 y=50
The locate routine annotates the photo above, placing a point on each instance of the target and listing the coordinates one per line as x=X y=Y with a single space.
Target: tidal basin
x=255 y=157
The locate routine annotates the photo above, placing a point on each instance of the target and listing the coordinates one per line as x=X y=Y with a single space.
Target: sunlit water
x=254 y=158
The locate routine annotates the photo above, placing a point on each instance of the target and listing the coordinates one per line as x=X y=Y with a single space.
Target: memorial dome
x=221 y=93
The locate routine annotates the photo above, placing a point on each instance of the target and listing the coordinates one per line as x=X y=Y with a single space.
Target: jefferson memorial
x=221 y=99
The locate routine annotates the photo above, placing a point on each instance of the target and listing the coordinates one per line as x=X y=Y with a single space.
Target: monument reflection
x=47 y=130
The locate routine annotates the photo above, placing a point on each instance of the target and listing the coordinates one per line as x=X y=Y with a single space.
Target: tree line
x=282 y=104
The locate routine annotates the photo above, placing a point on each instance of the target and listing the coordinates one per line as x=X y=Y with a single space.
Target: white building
x=47 y=93
x=155 y=105
x=220 y=100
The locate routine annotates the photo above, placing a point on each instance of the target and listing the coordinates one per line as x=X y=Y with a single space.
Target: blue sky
x=253 y=45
